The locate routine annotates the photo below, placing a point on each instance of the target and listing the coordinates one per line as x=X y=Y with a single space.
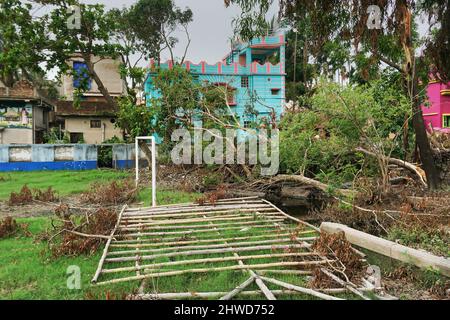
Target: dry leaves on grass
x=335 y=246
x=74 y=235
x=26 y=196
x=211 y=198
x=10 y=228
x=114 y=193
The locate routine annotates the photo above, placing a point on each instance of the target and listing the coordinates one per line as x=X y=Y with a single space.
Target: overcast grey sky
x=210 y=31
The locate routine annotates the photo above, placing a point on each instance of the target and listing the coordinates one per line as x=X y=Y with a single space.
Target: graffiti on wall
x=16 y=117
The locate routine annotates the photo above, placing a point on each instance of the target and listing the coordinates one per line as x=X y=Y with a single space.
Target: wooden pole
x=238 y=289
x=105 y=251
x=300 y=289
x=190 y=232
x=205 y=270
x=206 y=226
x=291 y=217
x=212 y=260
x=217 y=214
x=421 y=259
x=210 y=251
x=212 y=246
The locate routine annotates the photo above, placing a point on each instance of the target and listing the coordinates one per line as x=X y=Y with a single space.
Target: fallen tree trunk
x=316 y=184
x=404 y=164
x=421 y=259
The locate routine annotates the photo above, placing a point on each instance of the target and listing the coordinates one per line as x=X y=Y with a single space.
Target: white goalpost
x=152 y=139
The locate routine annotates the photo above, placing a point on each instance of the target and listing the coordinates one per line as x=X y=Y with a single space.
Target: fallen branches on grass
x=114 y=193
x=26 y=196
x=348 y=263
x=75 y=235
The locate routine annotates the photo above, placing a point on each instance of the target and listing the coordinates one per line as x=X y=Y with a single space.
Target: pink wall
x=439 y=105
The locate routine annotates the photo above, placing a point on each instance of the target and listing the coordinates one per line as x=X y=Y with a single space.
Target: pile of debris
x=72 y=235
x=10 y=228
x=27 y=196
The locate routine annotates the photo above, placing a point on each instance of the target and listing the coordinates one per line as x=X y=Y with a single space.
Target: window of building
x=81 y=77
x=244 y=82
x=446 y=121
x=96 y=124
x=76 y=137
x=247 y=124
x=275 y=91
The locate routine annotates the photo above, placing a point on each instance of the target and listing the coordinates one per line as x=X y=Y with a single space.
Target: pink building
x=437 y=111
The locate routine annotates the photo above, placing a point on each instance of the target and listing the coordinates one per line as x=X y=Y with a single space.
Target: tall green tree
x=391 y=44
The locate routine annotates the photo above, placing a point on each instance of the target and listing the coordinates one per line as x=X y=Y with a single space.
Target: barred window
x=95 y=124
x=244 y=82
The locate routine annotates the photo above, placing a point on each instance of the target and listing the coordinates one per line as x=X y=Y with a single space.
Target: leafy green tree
x=393 y=44
x=320 y=142
x=23 y=45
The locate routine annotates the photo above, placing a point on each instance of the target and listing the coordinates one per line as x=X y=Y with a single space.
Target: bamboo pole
x=162 y=209
x=105 y=251
x=192 y=204
x=286 y=272
x=269 y=295
x=262 y=235
x=213 y=246
x=206 y=270
x=212 y=295
x=300 y=289
x=183 y=221
x=291 y=217
x=190 y=232
x=238 y=289
x=149 y=219
x=203 y=295
x=199 y=209
x=344 y=284
x=201 y=226
x=211 y=260
x=150 y=223
x=203 y=252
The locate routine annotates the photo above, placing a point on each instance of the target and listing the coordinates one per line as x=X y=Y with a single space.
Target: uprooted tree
x=393 y=44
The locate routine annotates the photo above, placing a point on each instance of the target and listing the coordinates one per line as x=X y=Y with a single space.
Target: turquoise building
x=254 y=72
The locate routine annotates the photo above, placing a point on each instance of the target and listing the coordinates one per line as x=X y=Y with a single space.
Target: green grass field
x=27 y=272
x=66 y=183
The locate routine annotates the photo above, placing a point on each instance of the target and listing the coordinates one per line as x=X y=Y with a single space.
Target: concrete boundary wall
x=61 y=157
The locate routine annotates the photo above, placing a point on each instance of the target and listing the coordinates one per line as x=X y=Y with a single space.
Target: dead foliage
x=348 y=266
x=10 y=228
x=23 y=197
x=48 y=195
x=74 y=235
x=211 y=198
x=26 y=196
x=114 y=193
x=5 y=178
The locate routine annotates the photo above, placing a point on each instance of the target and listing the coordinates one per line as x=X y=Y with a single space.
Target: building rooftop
x=86 y=108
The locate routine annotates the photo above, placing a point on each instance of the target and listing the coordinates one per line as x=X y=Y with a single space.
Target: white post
x=136 y=151
x=152 y=139
x=153 y=172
